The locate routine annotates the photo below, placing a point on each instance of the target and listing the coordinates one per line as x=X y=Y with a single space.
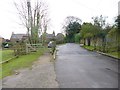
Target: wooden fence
x=21 y=49
x=32 y=47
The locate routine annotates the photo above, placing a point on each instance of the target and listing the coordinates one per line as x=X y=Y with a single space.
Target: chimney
x=12 y=33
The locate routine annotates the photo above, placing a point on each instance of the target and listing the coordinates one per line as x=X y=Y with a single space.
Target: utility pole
x=118 y=8
x=28 y=23
x=29 y=27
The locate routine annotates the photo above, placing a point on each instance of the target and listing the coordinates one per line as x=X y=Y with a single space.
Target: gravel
x=40 y=75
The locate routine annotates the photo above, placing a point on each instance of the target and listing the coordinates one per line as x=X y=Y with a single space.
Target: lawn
x=114 y=54
x=6 y=54
x=89 y=47
x=21 y=62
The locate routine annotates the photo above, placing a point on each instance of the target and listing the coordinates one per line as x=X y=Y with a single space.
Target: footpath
x=40 y=75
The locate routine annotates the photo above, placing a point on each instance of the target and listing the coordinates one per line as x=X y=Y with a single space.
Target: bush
x=77 y=38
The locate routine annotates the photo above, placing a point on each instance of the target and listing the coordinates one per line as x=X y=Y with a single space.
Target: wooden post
x=27 y=49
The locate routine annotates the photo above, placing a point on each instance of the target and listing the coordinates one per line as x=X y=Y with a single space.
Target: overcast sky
x=58 y=11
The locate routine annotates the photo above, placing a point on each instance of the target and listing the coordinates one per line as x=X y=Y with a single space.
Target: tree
x=118 y=23
x=113 y=40
x=100 y=22
x=34 y=18
x=59 y=38
x=72 y=26
x=77 y=38
x=118 y=31
x=88 y=32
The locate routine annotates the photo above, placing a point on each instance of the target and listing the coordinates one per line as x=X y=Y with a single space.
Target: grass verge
x=91 y=48
x=113 y=54
x=6 y=54
x=21 y=62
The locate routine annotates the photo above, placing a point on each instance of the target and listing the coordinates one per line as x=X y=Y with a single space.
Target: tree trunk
x=95 y=41
x=89 y=41
x=84 y=42
x=103 y=44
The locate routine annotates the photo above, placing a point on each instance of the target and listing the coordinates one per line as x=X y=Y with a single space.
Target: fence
x=21 y=49
x=32 y=47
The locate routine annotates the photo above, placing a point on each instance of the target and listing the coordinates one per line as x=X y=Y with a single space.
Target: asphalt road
x=78 y=68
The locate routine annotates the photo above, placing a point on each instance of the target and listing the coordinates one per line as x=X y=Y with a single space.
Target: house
x=17 y=37
x=59 y=38
x=1 y=40
x=47 y=37
x=50 y=37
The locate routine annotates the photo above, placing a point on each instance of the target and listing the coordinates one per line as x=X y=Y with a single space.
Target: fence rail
x=23 y=49
x=7 y=60
x=32 y=47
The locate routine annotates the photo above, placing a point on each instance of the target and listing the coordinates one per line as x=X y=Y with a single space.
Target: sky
x=58 y=10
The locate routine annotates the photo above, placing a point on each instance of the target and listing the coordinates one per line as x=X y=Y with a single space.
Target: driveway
x=78 y=68
x=40 y=75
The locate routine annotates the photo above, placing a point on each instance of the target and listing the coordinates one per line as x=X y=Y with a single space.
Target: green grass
x=6 y=54
x=21 y=62
x=114 y=54
x=89 y=47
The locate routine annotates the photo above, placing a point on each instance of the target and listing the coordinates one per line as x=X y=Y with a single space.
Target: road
x=78 y=68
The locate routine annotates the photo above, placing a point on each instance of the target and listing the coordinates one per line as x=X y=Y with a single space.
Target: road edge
x=105 y=54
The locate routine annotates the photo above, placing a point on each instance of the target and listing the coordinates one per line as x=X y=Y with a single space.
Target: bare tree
x=34 y=17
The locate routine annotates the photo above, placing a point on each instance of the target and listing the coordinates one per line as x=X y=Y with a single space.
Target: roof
x=18 y=36
x=50 y=35
x=60 y=34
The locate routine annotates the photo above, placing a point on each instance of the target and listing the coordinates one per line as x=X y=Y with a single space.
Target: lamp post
x=119 y=8
x=28 y=22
